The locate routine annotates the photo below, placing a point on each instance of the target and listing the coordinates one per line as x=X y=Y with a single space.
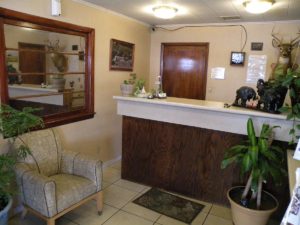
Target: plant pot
x=296 y=99
x=58 y=83
x=4 y=213
x=127 y=89
x=246 y=216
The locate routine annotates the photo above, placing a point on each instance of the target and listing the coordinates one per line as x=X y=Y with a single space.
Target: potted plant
x=261 y=160
x=127 y=87
x=292 y=82
x=13 y=123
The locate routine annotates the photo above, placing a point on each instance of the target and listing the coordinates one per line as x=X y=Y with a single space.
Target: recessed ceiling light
x=164 y=11
x=258 y=6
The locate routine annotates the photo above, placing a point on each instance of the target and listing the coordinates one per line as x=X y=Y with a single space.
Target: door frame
x=205 y=44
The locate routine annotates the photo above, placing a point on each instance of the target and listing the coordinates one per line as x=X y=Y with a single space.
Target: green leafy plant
x=14 y=123
x=259 y=159
x=292 y=82
x=131 y=80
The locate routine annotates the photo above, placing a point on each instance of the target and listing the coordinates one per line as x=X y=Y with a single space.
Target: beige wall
x=101 y=135
x=223 y=40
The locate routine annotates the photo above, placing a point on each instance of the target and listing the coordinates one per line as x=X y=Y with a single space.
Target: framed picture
x=121 y=55
x=237 y=58
x=257 y=46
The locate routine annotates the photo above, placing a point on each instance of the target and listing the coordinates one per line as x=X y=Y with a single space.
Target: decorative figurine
x=271 y=96
x=243 y=95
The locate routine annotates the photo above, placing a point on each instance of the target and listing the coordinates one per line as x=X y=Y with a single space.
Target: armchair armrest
x=38 y=191
x=82 y=165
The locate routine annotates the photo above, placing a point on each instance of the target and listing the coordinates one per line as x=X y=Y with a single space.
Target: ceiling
x=200 y=11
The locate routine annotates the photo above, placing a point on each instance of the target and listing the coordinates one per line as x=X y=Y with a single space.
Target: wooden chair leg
x=24 y=212
x=99 y=199
x=50 y=221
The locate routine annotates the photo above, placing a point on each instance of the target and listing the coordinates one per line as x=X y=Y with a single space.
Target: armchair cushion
x=82 y=165
x=71 y=189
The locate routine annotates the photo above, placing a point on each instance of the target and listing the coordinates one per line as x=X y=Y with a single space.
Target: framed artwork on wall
x=121 y=55
x=237 y=58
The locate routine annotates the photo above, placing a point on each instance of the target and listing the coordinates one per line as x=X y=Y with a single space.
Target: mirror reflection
x=45 y=69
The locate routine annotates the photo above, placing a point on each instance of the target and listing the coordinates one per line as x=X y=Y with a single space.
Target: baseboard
x=110 y=162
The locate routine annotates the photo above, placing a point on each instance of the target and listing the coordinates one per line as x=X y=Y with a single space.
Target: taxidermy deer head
x=284 y=60
x=285 y=48
x=59 y=60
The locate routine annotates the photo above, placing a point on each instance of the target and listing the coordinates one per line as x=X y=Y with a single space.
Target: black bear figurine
x=244 y=94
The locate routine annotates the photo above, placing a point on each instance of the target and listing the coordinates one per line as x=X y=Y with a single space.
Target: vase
x=126 y=89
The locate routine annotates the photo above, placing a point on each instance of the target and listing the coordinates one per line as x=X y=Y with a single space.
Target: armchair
x=53 y=181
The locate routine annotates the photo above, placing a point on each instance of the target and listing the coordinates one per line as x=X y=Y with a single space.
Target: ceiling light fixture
x=258 y=6
x=164 y=11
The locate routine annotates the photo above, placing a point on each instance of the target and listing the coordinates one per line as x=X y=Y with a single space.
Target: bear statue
x=244 y=94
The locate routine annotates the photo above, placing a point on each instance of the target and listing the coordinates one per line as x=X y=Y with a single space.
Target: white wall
x=223 y=40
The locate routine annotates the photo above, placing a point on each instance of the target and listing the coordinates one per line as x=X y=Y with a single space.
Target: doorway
x=184 y=69
x=32 y=59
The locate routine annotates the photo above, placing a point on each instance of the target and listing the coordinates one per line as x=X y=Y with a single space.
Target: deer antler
x=275 y=38
x=294 y=41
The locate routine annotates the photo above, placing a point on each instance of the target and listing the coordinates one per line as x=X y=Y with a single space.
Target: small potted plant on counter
x=261 y=160
x=127 y=87
x=13 y=123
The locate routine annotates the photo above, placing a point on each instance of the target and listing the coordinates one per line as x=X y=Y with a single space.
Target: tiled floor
x=119 y=210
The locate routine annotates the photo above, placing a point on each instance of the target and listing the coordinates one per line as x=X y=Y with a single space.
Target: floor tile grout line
x=128 y=188
x=208 y=213
x=137 y=215
x=157 y=219
x=111 y=216
x=66 y=218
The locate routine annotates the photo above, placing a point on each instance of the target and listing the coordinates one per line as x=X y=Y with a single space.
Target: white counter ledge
x=204 y=114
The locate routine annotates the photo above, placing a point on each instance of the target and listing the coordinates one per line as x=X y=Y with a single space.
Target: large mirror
x=47 y=64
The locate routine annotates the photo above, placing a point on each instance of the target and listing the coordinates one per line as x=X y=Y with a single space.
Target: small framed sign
x=257 y=46
x=237 y=58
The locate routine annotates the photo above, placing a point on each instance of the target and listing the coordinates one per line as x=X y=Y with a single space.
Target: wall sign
x=257 y=46
x=257 y=65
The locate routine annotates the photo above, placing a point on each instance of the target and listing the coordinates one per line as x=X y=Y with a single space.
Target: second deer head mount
x=59 y=60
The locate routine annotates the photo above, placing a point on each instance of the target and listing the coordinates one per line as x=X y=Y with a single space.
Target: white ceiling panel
x=200 y=11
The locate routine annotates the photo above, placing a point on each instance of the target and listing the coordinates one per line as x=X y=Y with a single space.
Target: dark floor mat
x=170 y=205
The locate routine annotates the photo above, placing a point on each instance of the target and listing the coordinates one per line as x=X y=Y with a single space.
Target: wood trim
x=3 y=72
x=35 y=96
x=25 y=20
x=206 y=44
x=46 y=52
x=94 y=196
x=25 y=74
x=36 y=22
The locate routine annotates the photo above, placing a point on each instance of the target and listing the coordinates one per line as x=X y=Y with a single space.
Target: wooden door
x=32 y=60
x=184 y=68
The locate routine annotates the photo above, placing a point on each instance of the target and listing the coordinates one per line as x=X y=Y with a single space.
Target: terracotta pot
x=127 y=89
x=245 y=216
x=4 y=213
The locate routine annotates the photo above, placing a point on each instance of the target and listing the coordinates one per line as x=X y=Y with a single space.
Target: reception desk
x=178 y=144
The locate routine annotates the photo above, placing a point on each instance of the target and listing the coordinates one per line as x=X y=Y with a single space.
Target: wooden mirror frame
x=15 y=18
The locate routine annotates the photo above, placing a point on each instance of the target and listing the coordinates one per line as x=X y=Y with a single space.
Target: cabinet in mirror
x=47 y=64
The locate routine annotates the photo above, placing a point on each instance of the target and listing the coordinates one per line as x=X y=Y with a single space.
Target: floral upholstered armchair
x=53 y=181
